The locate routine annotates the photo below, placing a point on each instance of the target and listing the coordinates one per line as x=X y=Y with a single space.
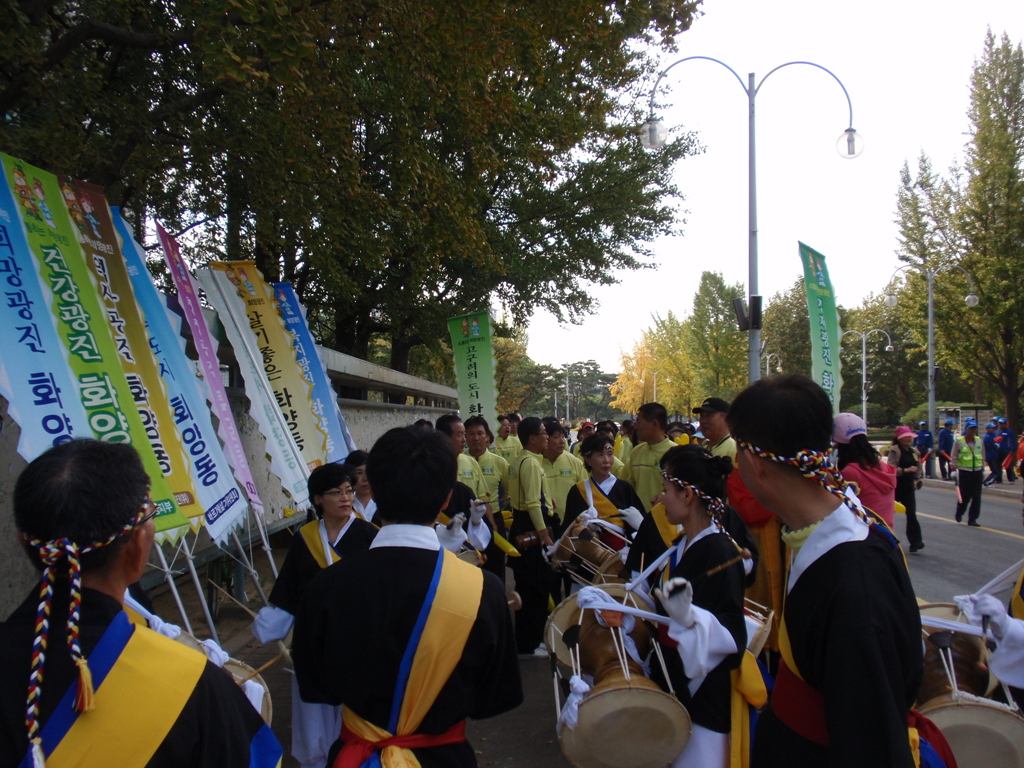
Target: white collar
x=407 y=535
x=685 y=542
x=841 y=526
x=368 y=511
x=607 y=484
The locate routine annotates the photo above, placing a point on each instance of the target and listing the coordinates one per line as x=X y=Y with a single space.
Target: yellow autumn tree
x=629 y=388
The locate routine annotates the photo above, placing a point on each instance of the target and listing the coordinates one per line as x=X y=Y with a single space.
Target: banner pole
x=169 y=577
x=260 y=524
x=202 y=596
x=248 y=566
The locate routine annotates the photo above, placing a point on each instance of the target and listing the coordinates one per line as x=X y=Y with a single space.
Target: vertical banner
x=221 y=503
x=325 y=400
x=825 y=334
x=281 y=407
x=128 y=325
x=34 y=375
x=79 y=315
x=474 y=365
x=209 y=367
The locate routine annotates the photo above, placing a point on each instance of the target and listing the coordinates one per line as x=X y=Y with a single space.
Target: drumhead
x=239 y=670
x=191 y=641
x=566 y=614
x=952 y=612
x=981 y=734
x=627 y=728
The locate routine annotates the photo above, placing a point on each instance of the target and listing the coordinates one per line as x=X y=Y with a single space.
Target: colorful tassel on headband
x=815 y=465
x=52 y=553
x=716 y=507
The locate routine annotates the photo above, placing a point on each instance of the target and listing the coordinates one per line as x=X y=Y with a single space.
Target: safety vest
x=970 y=459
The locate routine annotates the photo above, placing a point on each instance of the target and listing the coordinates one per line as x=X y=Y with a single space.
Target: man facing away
x=406 y=637
x=105 y=692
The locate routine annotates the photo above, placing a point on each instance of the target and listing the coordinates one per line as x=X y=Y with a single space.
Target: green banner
x=54 y=238
x=825 y=333
x=474 y=365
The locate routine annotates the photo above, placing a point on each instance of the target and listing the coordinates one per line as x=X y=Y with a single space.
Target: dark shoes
x=917 y=546
x=960 y=517
x=974 y=523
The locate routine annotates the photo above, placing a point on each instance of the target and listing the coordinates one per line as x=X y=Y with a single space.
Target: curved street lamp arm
x=858 y=333
x=905 y=266
x=812 y=64
x=879 y=330
x=664 y=72
x=970 y=280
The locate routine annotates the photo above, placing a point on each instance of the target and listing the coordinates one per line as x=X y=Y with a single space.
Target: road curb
x=1002 y=493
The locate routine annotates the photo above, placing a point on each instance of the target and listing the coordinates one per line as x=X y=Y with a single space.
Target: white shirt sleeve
x=271 y=624
x=702 y=647
x=479 y=536
x=1007 y=662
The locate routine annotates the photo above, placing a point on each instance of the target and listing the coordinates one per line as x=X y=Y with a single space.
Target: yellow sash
x=136 y=705
x=451 y=618
x=1017 y=601
x=135 y=617
x=311 y=535
x=748 y=689
x=605 y=509
x=669 y=532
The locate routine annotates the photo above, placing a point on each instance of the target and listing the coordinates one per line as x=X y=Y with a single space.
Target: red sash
x=799 y=706
x=358 y=750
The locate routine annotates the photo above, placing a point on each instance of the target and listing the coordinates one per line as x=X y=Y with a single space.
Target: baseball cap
x=1002 y=420
x=970 y=422
x=712 y=405
x=586 y=424
x=846 y=426
x=922 y=423
x=949 y=422
x=902 y=431
x=990 y=425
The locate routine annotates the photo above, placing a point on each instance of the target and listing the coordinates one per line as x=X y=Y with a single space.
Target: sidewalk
x=1004 y=491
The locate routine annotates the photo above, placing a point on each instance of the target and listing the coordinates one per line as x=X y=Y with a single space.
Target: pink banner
x=210 y=367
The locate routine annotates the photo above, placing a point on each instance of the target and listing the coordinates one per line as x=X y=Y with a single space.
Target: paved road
x=958 y=559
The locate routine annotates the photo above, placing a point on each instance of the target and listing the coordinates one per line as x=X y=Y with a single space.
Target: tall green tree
x=718 y=349
x=786 y=331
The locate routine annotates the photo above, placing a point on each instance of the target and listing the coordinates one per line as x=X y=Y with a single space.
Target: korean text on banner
x=325 y=400
x=127 y=324
x=222 y=504
x=92 y=354
x=825 y=334
x=35 y=378
x=287 y=460
x=209 y=367
x=474 y=365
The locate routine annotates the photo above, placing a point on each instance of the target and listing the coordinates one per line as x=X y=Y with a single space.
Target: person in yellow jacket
x=714 y=427
x=451 y=426
x=643 y=468
x=968 y=460
x=624 y=440
x=586 y=429
x=562 y=470
x=493 y=468
x=506 y=444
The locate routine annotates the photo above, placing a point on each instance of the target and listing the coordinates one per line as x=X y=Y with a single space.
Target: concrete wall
x=17 y=576
x=367 y=421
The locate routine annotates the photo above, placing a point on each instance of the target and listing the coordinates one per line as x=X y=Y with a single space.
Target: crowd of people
x=396 y=596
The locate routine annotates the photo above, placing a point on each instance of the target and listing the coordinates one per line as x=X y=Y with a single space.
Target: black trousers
x=944 y=466
x=1009 y=471
x=969 y=484
x=908 y=498
x=996 y=468
x=494 y=554
x=535 y=582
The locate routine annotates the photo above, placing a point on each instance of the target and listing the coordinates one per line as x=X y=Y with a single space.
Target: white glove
x=987 y=605
x=632 y=517
x=452 y=537
x=676 y=599
x=216 y=654
x=477 y=510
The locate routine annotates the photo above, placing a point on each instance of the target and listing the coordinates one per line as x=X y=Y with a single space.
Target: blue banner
x=325 y=400
x=34 y=374
x=223 y=504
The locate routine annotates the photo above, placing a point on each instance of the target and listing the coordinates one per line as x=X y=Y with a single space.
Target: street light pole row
x=653 y=135
x=864 y=364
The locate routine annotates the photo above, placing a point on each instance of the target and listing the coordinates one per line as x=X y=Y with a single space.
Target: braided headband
x=716 y=507
x=815 y=465
x=51 y=553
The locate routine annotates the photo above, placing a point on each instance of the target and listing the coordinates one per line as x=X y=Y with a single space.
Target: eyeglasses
x=147 y=512
x=337 y=492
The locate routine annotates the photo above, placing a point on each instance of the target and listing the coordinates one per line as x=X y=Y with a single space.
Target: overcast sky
x=907 y=67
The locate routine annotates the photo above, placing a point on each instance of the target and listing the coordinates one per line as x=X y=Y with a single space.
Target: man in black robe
x=92 y=497
x=357 y=617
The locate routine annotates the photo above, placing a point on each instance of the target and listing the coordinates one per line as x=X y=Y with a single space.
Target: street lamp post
x=864 y=365
x=971 y=300
x=653 y=135
x=768 y=363
x=643 y=379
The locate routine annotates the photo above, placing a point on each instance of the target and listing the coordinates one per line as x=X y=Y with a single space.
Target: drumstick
x=262 y=669
x=726 y=564
x=284 y=650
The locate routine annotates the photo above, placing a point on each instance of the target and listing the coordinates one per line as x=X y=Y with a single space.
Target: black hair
x=84 y=490
x=552 y=427
x=412 y=471
x=698 y=467
x=609 y=424
x=596 y=442
x=604 y=429
x=676 y=425
x=785 y=414
x=529 y=427
x=356 y=459
x=446 y=422
x=515 y=417
x=504 y=418
x=627 y=423
x=479 y=421
x=324 y=478
x=655 y=412
x=859 y=450
x=423 y=424
x=689 y=429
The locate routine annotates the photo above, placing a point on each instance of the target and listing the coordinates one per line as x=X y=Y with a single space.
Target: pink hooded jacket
x=876 y=488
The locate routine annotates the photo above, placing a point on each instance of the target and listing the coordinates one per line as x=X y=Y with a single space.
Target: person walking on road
x=945 y=449
x=1007 y=448
x=907 y=461
x=968 y=461
x=924 y=442
x=992 y=457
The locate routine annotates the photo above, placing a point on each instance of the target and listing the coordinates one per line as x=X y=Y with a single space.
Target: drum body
x=626 y=721
x=240 y=671
x=471 y=556
x=581 y=553
x=762 y=617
